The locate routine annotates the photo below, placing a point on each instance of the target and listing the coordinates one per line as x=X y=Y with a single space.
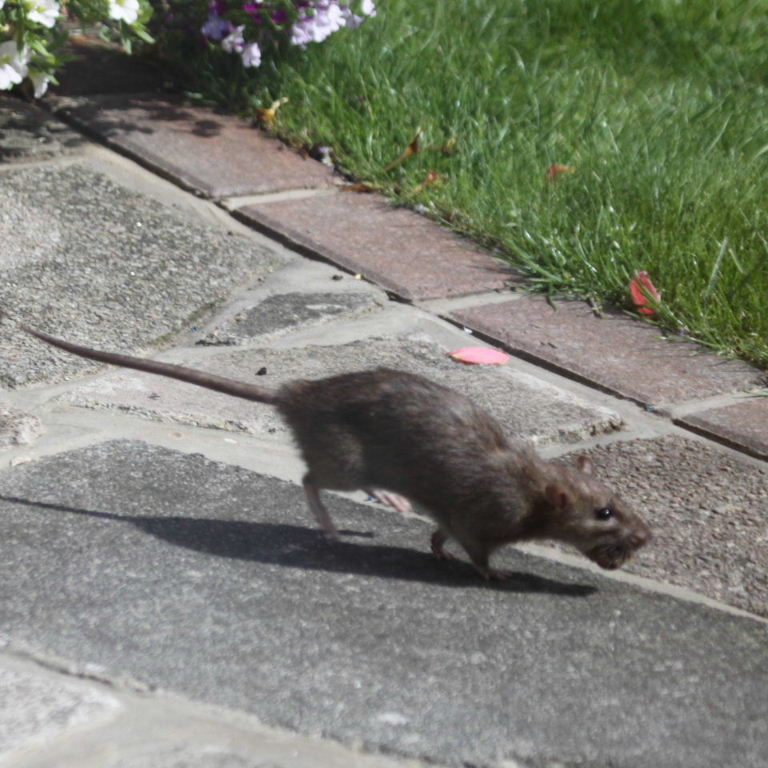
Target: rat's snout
x=640 y=537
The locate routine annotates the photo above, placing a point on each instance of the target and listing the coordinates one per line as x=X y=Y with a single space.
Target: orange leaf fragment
x=268 y=115
x=556 y=171
x=412 y=149
x=433 y=177
x=644 y=293
x=480 y=356
x=359 y=187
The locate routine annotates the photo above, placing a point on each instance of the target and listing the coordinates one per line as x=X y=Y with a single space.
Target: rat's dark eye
x=606 y=513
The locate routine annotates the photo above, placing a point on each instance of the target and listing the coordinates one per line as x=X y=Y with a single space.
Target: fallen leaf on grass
x=644 y=293
x=557 y=171
x=412 y=149
x=431 y=178
x=268 y=115
x=480 y=356
x=450 y=146
x=359 y=187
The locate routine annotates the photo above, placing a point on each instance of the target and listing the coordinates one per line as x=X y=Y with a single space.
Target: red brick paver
x=216 y=155
x=617 y=353
x=400 y=250
x=742 y=425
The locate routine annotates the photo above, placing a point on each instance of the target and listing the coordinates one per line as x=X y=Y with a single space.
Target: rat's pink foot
x=493 y=575
x=394 y=500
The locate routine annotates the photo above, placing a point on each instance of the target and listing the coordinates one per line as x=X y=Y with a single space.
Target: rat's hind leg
x=439 y=537
x=479 y=552
x=318 y=508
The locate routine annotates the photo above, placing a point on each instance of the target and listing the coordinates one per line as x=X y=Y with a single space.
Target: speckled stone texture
x=707 y=509
x=18 y=427
x=288 y=311
x=30 y=133
x=87 y=259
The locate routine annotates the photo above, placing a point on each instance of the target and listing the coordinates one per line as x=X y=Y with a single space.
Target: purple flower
x=255 y=11
x=216 y=27
x=280 y=16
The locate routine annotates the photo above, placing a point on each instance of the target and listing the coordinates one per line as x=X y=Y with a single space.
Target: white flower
x=124 y=10
x=368 y=8
x=40 y=80
x=2 y=3
x=314 y=29
x=43 y=12
x=234 y=42
x=251 y=55
x=13 y=65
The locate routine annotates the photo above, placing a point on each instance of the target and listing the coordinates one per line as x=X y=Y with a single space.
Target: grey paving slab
x=83 y=256
x=163 y=730
x=708 y=513
x=210 y=580
x=101 y=67
x=218 y=155
x=289 y=311
x=35 y=708
x=400 y=250
x=527 y=407
x=18 y=427
x=29 y=133
x=743 y=425
x=620 y=354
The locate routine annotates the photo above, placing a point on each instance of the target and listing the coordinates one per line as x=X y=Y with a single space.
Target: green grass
x=661 y=106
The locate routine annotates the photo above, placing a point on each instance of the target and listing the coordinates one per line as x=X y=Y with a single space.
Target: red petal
x=641 y=288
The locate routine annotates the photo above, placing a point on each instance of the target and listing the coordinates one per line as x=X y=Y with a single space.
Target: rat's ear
x=584 y=464
x=558 y=497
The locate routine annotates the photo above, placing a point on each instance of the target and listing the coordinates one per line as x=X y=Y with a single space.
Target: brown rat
x=402 y=433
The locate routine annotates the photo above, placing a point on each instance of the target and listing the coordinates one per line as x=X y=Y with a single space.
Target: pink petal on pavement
x=480 y=356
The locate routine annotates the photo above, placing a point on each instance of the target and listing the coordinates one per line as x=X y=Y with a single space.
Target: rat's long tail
x=202 y=379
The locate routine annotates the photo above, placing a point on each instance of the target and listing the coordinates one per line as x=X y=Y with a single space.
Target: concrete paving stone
x=163 y=730
x=215 y=154
x=526 y=407
x=102 y=67
x=707 y=510
x=396 y=248
x=289 y=311
x=211 y=580
x=29 y=133
x=18 y=427
x=743 y=425
x=624 y=356
x=85 y=258
x=34 y=708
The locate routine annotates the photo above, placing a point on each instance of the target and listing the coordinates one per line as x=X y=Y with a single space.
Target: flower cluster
x=301 y=22
x=32 y=32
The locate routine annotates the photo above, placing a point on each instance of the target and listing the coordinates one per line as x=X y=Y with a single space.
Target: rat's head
x=589 y=515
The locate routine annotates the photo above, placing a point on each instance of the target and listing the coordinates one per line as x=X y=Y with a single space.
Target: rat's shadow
x=293 y=546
